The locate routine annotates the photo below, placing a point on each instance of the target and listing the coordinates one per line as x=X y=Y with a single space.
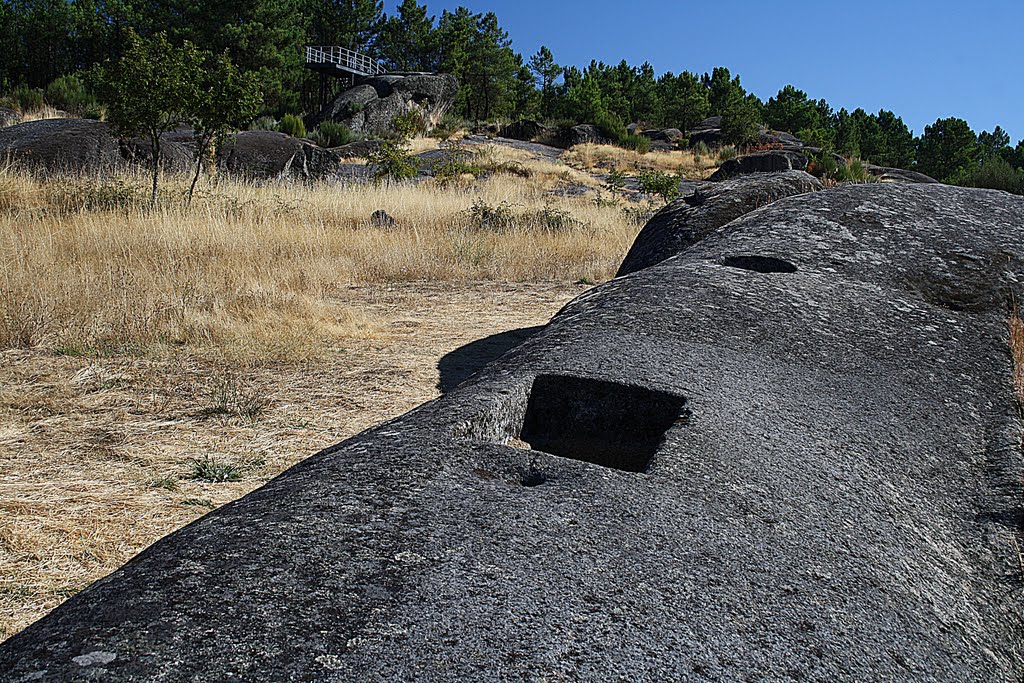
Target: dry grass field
x=156 y=363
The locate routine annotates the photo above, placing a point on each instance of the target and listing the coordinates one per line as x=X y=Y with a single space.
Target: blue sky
x=923 y=60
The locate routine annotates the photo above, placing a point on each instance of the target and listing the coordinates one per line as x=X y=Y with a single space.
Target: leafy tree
x=407 y=39
x=546 y=71
x=993 y=144
x=685 y=100
x=896 y=142
x=722 y=88
x=150 y=90
x=226 y=100
x=791 y=110
x=741 y=120
x=947 y=148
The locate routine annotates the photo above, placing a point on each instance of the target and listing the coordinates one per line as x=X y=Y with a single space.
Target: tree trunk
x=204 y=143
x=155 y=147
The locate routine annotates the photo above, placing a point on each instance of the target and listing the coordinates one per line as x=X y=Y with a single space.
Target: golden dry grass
x=256 y=270
x=683 y=162
x=1017 y=349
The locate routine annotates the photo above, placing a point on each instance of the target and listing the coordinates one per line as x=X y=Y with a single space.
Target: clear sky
x=923 y=59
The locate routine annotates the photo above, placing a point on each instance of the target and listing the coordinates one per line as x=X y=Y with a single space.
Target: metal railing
x=343 y=58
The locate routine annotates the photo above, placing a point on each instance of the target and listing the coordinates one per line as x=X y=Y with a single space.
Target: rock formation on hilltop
x=789 y=452
x=371 y=106
x=84 y=146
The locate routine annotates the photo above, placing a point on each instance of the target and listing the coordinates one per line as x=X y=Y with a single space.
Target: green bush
x=393 y=162
x=29 y=99
x=853 y=172
x=483 y=216
x=292 y=125
x=613 y=128
x=409 y=124
x=332 y=134
x=995 y=173
x=69 y=94
x=665 y=185
x=264 y=123
x=449 y=126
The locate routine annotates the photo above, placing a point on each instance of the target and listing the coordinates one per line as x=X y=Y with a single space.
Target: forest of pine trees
x=43 y=40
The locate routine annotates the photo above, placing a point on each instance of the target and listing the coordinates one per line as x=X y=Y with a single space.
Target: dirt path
x=97 y=454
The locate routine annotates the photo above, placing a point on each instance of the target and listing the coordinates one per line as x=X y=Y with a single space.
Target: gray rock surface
x=897 y=175
x=265 y=154
x=86 y=146
x=670 y=135
x=771 y=161
x=525 y=130
x=789 y=453
x=585 y=133
x=706 y=208
x=372 y=105
x=358 y=149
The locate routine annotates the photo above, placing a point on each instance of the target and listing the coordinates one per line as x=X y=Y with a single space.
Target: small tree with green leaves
x=226 y=100
x=150 y=90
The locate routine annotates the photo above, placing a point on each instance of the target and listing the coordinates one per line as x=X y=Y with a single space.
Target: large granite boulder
x=771 y=161
x=525 y=130
x=669 y=135
x=263 y=154
x=706 y=208
x=584 y=134
x=372 y=106
x=791 y=452
x=86 y=146
x=708 y=131
x=887 y=174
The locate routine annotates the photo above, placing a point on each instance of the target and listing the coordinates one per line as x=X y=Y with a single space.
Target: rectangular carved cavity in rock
x=604 y=423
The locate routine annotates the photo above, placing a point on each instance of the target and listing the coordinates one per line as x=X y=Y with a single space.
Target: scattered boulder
x=8 y=117
x=771 y=161
x=708 y=131
x=265 y=155
x=372 y=106
x=87 y=146
x=360 y=149
x=670 y=135
x=705 y=209
x=382 y=219
x=526 y=131
x=585 y=134
x=886 y=174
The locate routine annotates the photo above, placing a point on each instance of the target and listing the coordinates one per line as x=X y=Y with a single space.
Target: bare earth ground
x=95 y=453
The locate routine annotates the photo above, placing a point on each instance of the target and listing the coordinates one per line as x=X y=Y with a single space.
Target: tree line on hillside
x=45 y=41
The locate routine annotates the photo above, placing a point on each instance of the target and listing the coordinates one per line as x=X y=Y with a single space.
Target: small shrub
x=409 y=124
x=393 y=162
x=701 y=149
x=727 y=152
x=227 y=397
x=265 y=123
x=614 y=129
x=448 y=127
x=664 y=185
x=214 y=470
x=853 y=172
x=638 y=215
x=556 y=220
x=292 y=125
x=70 y=94
x=616 y=180
x=166 y=483
x=453 y=164
x=483 y=216
x=332 y=134
x=29 y=99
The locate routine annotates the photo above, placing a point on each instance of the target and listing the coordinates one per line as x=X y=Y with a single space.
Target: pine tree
x=408 y=41
x=546 y=71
